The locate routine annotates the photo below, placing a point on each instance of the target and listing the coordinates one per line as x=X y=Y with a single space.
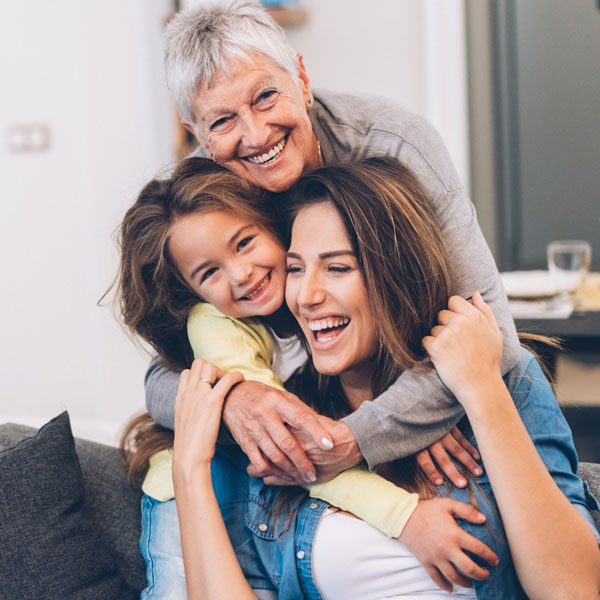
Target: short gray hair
x=202 y=39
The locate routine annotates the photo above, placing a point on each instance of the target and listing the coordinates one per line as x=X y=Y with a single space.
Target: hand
x=329 y=463
x=198 y=408
x=258 y=417
x=458 y=446
x=440 y=545
x=466 y=349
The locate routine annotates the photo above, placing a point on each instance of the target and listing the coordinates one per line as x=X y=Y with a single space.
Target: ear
x=303 y=80
x=192 y=130
x=189 y=127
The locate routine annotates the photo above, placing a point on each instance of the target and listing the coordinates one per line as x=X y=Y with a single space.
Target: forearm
x=211 y=568
x=370 y=497
x=416 y=411
x=552 y=546
x=161 y=389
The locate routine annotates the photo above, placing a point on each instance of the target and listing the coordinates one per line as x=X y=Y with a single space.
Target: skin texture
x=247 y=112
x=231 y=263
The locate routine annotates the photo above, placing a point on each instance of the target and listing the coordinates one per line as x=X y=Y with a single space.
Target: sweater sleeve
x=232 y=344
x=370 y=497
x=161 y=385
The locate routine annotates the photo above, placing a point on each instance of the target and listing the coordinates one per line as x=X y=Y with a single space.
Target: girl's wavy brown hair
x=154 y=299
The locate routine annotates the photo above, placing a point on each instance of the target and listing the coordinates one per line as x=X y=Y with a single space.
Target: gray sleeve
x=161 y=388
x=418 y=410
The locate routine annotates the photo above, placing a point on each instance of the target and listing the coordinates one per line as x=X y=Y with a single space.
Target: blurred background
x=85 y=121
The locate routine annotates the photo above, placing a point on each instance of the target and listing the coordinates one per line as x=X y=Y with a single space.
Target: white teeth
x=272 y=153
x=258 y=290
x=327 y=324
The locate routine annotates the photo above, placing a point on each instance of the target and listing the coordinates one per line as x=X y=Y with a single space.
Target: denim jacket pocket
x=263 y=522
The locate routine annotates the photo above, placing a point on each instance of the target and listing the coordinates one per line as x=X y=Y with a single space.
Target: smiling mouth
x=270 y=156
x=328 y=329
x=257 y=289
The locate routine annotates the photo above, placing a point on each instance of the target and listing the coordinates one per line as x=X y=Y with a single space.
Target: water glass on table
x=568 y=264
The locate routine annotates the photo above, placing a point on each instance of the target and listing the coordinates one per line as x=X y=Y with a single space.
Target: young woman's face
x=326 y=293
x=234 y=265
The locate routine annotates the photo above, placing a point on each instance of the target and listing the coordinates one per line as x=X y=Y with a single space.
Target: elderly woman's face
x=254 y=122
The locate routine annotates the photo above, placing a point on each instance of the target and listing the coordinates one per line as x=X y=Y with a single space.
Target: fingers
x=450 y=444
x=287 y=447
x=439 y=579
x=450 y=572
x=478 y=548
x=479 y=303
x=465 y=443
x=446 y=465
x=271 y=450
x=224 y=385
x=424 y=461
x=466 y=512
x=307 y=421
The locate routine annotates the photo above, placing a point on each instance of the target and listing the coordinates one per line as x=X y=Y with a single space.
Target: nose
x=240 y=271
x=311 y=290
x=255 y=132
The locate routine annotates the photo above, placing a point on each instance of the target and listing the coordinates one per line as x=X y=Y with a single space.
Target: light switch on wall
x=28 y=137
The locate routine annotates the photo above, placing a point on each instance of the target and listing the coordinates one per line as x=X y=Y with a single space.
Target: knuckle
x=288 y=444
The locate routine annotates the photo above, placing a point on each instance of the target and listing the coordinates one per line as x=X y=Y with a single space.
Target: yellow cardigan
x=245 y=345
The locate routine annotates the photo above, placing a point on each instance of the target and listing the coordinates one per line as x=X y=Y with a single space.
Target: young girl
x=204 y=234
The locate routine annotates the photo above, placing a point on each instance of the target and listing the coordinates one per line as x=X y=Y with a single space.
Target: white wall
x=412 y=51
x=91 y=74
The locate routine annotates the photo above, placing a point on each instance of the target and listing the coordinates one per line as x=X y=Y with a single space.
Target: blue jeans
x=273 y=539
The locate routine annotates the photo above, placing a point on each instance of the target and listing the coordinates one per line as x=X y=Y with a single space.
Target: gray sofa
x=110 y=507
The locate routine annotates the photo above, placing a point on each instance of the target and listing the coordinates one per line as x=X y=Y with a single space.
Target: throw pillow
x=50 y=547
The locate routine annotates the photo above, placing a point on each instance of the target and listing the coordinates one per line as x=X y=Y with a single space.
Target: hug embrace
x=321 y=263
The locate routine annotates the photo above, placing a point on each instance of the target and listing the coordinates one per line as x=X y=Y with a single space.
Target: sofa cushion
x=50 y=545
x=590 y=473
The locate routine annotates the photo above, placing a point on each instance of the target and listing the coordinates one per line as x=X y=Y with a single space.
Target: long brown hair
x=154 y=299
x=403 y=261
x=399 y=249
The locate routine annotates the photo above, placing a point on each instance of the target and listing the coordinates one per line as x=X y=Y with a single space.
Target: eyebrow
x=229 y=243
x=331 y=254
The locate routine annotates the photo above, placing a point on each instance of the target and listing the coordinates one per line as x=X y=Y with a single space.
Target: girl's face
x=234 y=265
x=327 y=295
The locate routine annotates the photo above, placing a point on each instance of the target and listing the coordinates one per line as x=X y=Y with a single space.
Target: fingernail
x=481 y=517
x=478 y=471
x=439 y=481
x=310 y=477
x=327 y=443
x=461 y=483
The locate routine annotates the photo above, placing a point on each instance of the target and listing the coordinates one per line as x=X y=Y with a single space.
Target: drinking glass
x=568 y=263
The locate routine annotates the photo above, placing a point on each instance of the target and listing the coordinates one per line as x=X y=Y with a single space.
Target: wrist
x=486 y=401
x=186 y=476
x=346 y=440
